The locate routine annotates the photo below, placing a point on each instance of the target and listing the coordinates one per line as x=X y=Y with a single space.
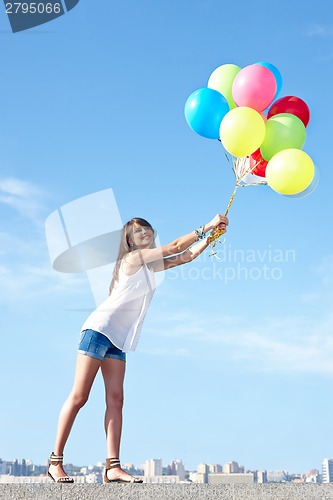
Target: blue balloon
x=276 y=73
x=311 y=187
x=204 y=111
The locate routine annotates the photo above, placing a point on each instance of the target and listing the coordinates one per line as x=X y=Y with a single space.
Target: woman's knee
x=78 y=399
x=115 y=400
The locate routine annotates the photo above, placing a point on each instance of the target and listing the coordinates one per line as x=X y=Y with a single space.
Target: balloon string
x=240 y=170
x=231 y=199
x=218 y=231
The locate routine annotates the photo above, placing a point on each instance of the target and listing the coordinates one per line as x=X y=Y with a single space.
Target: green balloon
x=283 y=131
x=222 y=79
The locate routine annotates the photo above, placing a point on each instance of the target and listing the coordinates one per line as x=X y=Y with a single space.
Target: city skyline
x=156 y=466
x=173 y=473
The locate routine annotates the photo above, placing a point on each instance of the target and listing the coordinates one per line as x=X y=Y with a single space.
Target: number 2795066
x=32 y=8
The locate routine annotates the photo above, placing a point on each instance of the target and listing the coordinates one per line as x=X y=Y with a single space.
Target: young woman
x=114 y=328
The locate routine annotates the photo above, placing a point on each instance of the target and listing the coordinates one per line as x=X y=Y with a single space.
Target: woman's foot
x=115 y=474
x=118 y=474
x=56 y=471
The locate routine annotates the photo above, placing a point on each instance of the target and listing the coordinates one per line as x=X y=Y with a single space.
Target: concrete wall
x=166 y=492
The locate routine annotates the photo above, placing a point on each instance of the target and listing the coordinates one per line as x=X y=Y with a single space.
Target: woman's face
x=142 y=236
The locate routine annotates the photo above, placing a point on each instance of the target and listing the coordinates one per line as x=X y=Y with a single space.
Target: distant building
x=234 y=478
x=161 y=479
x=19 y=468
x=312 y=476
x=215 y=468
x=177 y=469
x=296 y=478
x=277 y=476
x=202 y=474
x=153 y=467
x=192 y=476
x=94 y=478
x=261 y=476
x=232 y=468
x=3 y=467
x=327 y=470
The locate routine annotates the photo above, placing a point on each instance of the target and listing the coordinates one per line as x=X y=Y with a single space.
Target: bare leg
x=86 y=370
x=113 y=371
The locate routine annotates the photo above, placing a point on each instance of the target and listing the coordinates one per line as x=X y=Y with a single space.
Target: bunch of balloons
x=241 y=108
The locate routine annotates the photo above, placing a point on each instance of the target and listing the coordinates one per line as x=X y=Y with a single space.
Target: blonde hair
x=125 y=246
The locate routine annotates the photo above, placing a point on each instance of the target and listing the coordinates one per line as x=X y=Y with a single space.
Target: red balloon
x=291 y=104
x=259 y=164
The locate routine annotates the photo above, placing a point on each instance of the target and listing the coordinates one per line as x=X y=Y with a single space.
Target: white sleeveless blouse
x=120 y=316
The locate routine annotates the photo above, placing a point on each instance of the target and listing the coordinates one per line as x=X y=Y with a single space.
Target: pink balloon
x=255 y=87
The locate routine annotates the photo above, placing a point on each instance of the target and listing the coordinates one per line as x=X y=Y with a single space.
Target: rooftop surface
x=166 y=492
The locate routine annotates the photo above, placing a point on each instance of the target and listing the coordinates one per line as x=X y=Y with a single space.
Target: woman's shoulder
x=128 y=269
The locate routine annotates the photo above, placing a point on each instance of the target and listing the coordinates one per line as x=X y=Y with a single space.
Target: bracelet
x=200 y=233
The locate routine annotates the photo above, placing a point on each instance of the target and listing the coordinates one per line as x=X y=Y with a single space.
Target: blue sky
x=226 y=369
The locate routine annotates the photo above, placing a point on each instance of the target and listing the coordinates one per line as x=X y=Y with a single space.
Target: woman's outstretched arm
x=187 y=256
x=177 y=246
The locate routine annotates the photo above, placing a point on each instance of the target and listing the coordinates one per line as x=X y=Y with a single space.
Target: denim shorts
x=96 y=345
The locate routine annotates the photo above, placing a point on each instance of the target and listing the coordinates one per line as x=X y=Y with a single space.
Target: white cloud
x=24 y=197
x=13 y=246
x=26 y=272
x=289 y=345
x=17 y=187
x=283 y=345
x=26 y=283
x=320 y=30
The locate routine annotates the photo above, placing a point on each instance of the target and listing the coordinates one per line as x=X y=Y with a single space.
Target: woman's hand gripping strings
x=218 y=223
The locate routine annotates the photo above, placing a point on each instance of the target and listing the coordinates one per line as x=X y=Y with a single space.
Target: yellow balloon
x=290 y=171
x=242 y=131
x=222 y=79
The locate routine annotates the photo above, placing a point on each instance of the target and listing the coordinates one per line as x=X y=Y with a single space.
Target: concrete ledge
x=165 y=492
